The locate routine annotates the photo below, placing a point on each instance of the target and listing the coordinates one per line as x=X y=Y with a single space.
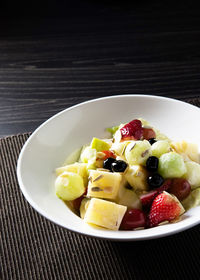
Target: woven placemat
x=35 y=248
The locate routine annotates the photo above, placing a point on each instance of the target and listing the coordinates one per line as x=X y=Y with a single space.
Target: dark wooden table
x=69 y=52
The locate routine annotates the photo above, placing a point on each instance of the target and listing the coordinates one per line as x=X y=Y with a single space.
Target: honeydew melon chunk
x=171 y=165
x=193 y=174
x=160 y=147
x=118 y=136
x=136 y=175
x=137 y=152
x=69 y=186
x=104 y=213
x=145 y=123
x=103 y=184
x=112 y=129
x=73 y=157
x=78 y=168
x=120 y=147
x=188 y=150
x=192 y=200
x=83 y=207
x=99 y=145
x=160 y=135
x=89 y=156
x=128 y=198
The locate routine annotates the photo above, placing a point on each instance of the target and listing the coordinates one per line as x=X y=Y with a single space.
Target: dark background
x=54 y=54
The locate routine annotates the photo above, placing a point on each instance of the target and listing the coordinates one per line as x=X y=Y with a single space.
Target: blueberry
x=108 y=162
x=152 y=140
x=119 y=166
x=152 y=164
x=155 y=180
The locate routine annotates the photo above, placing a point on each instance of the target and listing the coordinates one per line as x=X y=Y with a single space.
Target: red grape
x=148 y=133
x=180 y=188
x=133 y=218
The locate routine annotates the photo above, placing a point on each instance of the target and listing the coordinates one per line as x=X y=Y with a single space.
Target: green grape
x=192 y=200
x=138 y=152
x=160 y=147
x=129 y=198
x=88 y=154
x=193 y=174
x=69 y=186
x=171 y=165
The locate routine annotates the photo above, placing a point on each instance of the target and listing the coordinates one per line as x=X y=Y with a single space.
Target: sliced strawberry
x=148 y=133
x=108 y=154
x=132 y=130
x=147 y=198
x=165 y=207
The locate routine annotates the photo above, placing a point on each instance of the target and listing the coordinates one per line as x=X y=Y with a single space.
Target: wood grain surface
x=76 y=52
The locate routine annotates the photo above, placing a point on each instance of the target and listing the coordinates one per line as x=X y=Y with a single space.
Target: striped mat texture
x=35 y=248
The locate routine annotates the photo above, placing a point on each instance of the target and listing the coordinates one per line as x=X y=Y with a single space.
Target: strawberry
x=108 y=154
x=132 y=130
x=147 y=198
x=165 y=207
x=148 y=133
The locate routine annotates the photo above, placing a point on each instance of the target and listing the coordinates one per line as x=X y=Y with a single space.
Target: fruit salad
x=136 y=179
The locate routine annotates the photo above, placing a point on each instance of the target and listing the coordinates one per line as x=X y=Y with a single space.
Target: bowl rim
x=96 y=235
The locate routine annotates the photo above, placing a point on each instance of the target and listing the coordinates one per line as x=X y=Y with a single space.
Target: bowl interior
x=53 y=141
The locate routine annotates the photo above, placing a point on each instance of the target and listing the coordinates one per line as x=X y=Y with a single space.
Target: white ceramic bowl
x=54 y=140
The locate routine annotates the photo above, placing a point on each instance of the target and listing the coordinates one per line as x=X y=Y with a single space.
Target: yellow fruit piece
x=103 y=184
x=78 y=168
x=83 y=207
x=188 y=150
x=136 y=175
x=104 y=213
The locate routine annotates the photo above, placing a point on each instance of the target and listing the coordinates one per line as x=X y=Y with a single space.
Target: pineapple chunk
x=78 y=168
x=188 y=150
x=104 y=213
x=136 y=176
x=104 y=184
